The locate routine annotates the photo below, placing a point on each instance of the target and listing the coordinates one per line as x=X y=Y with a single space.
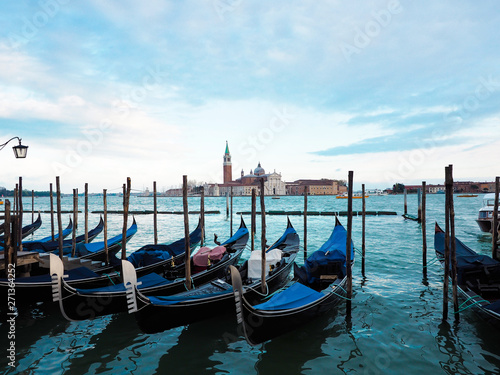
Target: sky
x=105 y=90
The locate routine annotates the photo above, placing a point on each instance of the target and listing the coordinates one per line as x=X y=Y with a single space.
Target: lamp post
x=20 y=150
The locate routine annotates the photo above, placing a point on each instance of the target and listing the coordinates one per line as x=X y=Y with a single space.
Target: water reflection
x=449 y=345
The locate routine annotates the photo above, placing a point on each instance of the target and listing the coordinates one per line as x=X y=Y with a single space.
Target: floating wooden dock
x=322 y=213
x=150 y=212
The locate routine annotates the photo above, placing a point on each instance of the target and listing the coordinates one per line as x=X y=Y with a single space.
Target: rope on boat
x=261 y=294
x=432 y=262
x=278 y=291
x=359 y=252
x=110 y=279
x=475 y=302
x=192 y=285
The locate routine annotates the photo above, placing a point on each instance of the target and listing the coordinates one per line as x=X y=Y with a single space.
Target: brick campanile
x=227 y=167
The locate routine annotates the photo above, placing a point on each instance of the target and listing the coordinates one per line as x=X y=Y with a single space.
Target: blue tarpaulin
x=297 y=295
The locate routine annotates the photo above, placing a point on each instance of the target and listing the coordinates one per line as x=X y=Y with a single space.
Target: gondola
x=66 y=232
x=39 y=288
x=158 y=258
x=95 y=251
x=158 y=313
x=317 y=287
x=30 y=228
x=478 y=278
x=78 y=303
x=42 y=246
x=27 y=230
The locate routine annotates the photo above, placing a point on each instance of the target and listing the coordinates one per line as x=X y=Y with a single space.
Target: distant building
x=273 y=185
x=315 y=187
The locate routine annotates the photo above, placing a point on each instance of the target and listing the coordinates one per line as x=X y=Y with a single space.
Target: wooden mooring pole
x=453 y=248
x=305 y=222
x=202 y=215
x=75 y=221
x=52 y=212
x=494 y=223
x=187 y=258
x=105 y=209
x=363 y=231
x=231 y=220
x=406 y=203
x=446 y=247
x=227 y=204
x=348 y=245
x=263 y=238
x=59 y=218
x=126 y=198
x=253 y=223
x=155 y=215
x=419 y=199
x=20 y=214
x=424 y=229
x=86 y=212
x=7 y=234
x=32 y=206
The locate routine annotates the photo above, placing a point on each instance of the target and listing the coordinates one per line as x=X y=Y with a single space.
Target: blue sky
x=393 y=90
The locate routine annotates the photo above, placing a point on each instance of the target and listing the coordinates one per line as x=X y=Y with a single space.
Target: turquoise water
x=396 y=317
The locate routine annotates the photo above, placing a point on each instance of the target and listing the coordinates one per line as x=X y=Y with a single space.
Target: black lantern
x=20 y=150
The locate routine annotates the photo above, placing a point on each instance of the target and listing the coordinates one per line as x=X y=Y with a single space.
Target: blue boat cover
x=151 y=254
x=239 y=233
x=172 y=300
x=333 y=250
x=467 y=259
x=83 y=249
x=288 y=231
x=295 y=296
x=65 y=233
x=148 y=281
x=74 y=274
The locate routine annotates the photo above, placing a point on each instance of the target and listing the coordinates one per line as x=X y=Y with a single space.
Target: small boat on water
x=158 y=313
x=317 y=286
x=485 y=217
x=467 y=195
x=80 y=303
x=355 y=196
x=28 y=229
x=478 y=278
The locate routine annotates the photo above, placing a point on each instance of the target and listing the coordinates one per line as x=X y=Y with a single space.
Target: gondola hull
x=317 y=287
x=81 y=305
x=261 y=326
x=87 y=304
x=478 y=279
x=216 y=299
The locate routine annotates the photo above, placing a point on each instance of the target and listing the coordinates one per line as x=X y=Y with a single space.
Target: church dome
x=259 y=171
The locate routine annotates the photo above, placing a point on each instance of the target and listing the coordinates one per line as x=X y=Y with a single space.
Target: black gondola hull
x=157 y=318
x=261 y=326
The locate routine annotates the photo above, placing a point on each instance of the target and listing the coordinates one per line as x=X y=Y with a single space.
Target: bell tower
x=227 y=166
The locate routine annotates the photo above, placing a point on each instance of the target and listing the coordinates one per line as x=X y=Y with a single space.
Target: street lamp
x=20 y=151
